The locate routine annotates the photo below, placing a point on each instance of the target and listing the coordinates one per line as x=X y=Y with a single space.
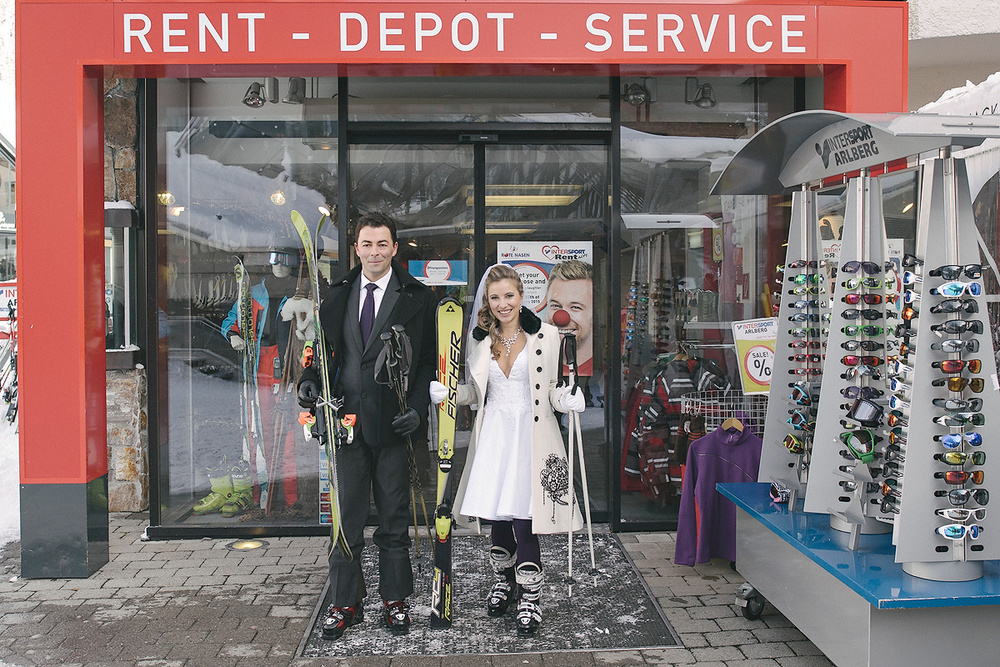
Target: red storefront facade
x=66 y=50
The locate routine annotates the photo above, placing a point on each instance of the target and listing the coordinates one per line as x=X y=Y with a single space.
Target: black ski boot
x=504 y=591
x=529 y=613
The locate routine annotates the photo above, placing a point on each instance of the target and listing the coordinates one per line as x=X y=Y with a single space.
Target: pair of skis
x=250 y=400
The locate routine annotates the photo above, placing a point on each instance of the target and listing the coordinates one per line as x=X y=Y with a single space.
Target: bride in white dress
x=516 y=475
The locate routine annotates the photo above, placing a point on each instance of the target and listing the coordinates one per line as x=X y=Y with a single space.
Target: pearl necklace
x=509 y=342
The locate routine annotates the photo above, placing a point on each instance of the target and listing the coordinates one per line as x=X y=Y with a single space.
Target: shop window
x=535 y=99
x=120 y=251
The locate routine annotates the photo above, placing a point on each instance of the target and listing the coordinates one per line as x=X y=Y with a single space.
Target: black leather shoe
x=397 y=616
x=338 y=619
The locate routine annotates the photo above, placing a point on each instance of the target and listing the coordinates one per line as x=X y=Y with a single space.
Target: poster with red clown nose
x=558 y=275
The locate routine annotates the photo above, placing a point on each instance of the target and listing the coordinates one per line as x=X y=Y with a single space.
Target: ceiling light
x=907 y=207
x=413 y=242
x=636 y=94
x=165 y=198
x=278 y=198
x=325 y=210
x=254 y=97
x=296 y=90
x=702 y=96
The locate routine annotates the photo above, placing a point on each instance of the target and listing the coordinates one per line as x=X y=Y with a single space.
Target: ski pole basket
x=718 y=406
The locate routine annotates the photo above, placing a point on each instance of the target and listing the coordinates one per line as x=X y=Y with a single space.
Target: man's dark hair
x=376 y=220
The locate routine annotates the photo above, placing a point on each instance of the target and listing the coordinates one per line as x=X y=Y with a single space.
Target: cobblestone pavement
x=184 y=603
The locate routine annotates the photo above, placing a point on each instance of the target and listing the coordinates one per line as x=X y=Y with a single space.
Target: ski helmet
x=286 y=252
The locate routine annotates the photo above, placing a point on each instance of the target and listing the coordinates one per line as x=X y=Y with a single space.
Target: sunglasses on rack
x=854 y=298
x=805 y=332
x=958 y=327
x=854 y=360
x=961 y=514
x=896 y=403
x=961 y=458
x=911 y=296
x=809 y=317
x=897 y=418
x=956 y=306
x=869 y=283
x=851 y=486
x=909 y=313
x=867 y=313
x=904 y=330
x=802 y=344
x=961 y=476
x=806 y=358
x=911 y=278
x=803 y=290
x=958 y=365
x=956 y=271
x=803 y=278
x=959 y=531
x=863 y=370
x=860 y=392
x=955 y=440
x=957 y=288
x=889 y=506
x=893 y=453
x=958 y=383
x=961 y=419
x=963 y=496
x=866 y=329
x=906 y=349
x=806 y=371
x=806 y=303
x=912 y=260
x=871 y=268
x=957 y=345
x=958 y=404
x=866 y=345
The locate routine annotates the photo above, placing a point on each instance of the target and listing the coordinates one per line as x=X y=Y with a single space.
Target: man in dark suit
x=368 y=301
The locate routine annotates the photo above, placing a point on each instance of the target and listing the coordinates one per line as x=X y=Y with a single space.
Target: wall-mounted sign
x=440 y=271
x=755 y=341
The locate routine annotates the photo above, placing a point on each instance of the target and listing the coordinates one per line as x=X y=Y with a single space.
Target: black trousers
x=384 y=472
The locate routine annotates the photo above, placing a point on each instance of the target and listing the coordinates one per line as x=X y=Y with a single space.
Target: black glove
x=406 y=422
x=308 y=392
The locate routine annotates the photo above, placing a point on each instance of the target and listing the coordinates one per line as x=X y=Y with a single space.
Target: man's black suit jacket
x=353 y=371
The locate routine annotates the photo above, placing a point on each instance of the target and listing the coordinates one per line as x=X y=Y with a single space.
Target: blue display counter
x=859 y=607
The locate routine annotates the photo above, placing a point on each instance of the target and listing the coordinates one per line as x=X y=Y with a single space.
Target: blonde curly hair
x=485 y=318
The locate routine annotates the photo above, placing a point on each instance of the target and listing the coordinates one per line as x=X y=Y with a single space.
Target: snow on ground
x=10 y=504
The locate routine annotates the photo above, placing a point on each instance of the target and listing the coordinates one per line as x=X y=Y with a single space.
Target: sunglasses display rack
x=945 y=526
x=850 y=433
x=799 y=348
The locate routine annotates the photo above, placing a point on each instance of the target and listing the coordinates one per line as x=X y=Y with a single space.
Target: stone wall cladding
x=128 y=458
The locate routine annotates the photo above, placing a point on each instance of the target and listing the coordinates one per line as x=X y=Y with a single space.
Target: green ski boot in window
x=242 y=497
x=222 y=488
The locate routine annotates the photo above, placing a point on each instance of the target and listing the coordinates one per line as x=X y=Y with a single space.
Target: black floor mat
x=611 y=610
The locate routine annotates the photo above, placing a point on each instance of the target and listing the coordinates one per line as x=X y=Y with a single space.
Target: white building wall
x=951 y=42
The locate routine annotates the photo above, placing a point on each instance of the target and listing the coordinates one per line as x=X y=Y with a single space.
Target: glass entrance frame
x=594 y=134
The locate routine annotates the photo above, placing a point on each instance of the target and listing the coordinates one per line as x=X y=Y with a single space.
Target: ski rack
x=778 y=464
x=841 y=484
x=946 y=235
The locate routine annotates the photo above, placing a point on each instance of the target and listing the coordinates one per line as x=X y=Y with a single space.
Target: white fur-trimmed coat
x=550 y=475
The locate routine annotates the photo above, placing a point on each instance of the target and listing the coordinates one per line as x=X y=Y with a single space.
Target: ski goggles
x=278 y=257
x=961 y=476
x=802 y=290
x=957 y=345
x=804 y=278
x=866 y=345
x=867 y=313
x=794 y=444
x=814 y=344
x=963 y=496
x=855 y=298
x=967 y=306
x=961 y=514
x=800 y=396
x=958 y=365
x=957 y=288
x=871 y=268
x=855 y=283
x=866 y=329
x=955 y=440
x=854 y=360
x=957 y=532
x=976 y=458
x=861 y=444
x=853 y=391
x=961 y=419
x=866 y=412
x=958 y=383
x=809 y=317
x=956 y=271
x=959 y=404
x=958 y=327
x=801 y=421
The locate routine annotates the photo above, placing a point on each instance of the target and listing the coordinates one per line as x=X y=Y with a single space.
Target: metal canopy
x=812 y=145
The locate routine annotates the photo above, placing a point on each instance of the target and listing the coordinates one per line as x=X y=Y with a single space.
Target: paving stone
x=751 y=663
x=805 y=647
x=767 y=650
x=717 y=611
x=721 y=653
x=789 y=634
x=805 y=661
x=693 y=639
x=731 y=638
x=618 y=658
x=668 y=656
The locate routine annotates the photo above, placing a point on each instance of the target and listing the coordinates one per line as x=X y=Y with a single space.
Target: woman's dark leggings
x=516 y=537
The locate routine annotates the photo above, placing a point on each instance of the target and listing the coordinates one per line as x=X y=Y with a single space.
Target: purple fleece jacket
x=706 y=521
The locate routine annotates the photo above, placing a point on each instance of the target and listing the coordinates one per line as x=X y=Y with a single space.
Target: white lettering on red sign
x=137 y=27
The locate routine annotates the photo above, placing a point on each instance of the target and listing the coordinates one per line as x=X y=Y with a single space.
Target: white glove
x=572 y=400
x=238 y=343
x=438 y=392
x=300 y=309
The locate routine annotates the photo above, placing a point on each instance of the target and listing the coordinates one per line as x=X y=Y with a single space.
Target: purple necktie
x=368 y=313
